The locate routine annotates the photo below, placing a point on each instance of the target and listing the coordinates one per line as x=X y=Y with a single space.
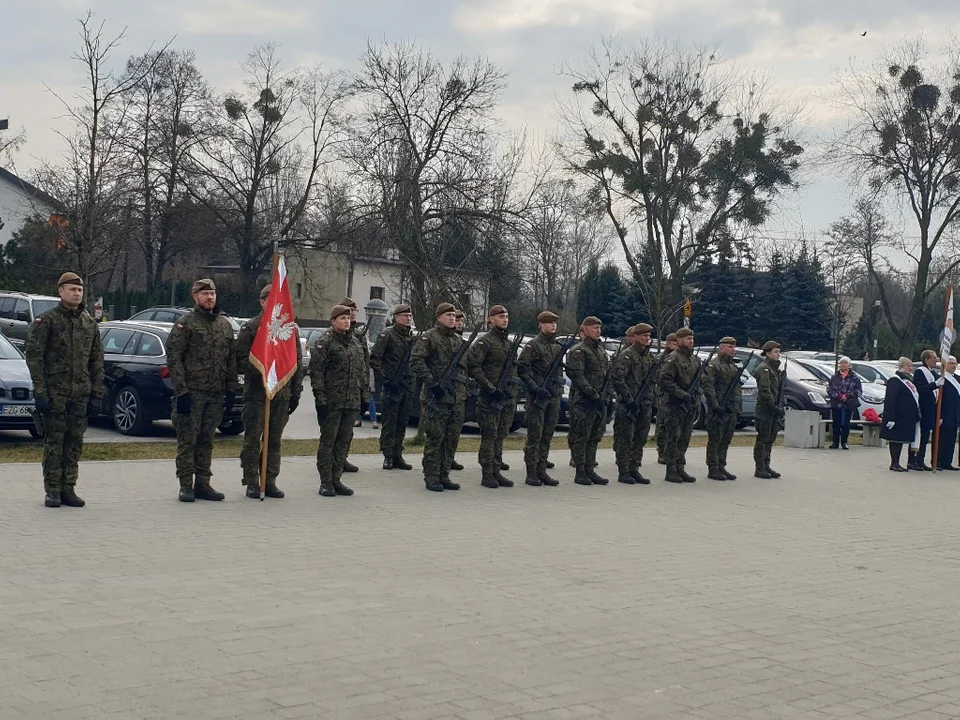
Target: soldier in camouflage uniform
x=341 y=386
x=284 y=403
x=432 y=356
x=202 y=357
x=543 y=397
x=460 y=412
x=486 y=363
x=360 y=333
x=65 y=359
x=721 y=388
x=390 y=361
x=632 y=370
x=769 y=413
x=587 y=365
x=679 y=405
x=670 y=346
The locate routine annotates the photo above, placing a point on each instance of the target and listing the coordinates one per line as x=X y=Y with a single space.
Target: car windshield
x=8 y=351
x=42 y=306
x=233 y=323
x=796 y=371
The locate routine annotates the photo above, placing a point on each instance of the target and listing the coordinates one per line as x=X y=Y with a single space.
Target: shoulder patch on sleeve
x=577 y=351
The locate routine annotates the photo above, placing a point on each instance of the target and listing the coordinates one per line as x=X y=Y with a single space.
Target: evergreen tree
x=600 y=294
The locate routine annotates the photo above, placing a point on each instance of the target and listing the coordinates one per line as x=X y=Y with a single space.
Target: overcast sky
x=802 y=44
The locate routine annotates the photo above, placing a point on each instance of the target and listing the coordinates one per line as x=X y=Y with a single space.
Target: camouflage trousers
x=195 y=437
x=394 y=416
x=250 y=455
x=336 y=434
x=541 y=422
x=767 y=429
x=586 y=430
x=459 y=415
x=630 y=434
x=677 y=429
x=441 y=431
x=661 y=438
x=494 y=428
x=63 y=429
x=719 y=437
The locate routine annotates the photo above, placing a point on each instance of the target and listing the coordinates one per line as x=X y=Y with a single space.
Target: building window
x=299 y=290
x=376 y=293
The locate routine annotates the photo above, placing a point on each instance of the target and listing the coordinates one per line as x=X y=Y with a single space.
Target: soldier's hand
x=228 y=401
x=94 y=404
x=184 y=404
x=437 y=392
x=323 y=412
x=497 y=395
x=542 y=394
x=43 y=405
x=294 y=404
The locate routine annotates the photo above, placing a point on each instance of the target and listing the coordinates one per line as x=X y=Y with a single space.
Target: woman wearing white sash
x=949 y=415
x=925 y=381
x=901 y=413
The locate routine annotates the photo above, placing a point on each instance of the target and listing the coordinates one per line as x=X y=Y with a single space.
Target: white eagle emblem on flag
x=279 y=329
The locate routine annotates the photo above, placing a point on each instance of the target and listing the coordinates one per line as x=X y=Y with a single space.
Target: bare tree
x=679 y=152
x=259 y=174
x=90 y=180
x=904 y=143
x=440 y=176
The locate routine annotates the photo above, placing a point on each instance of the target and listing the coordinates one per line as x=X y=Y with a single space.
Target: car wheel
x=129 y=414
x=518 y=420
x=231 y=427
x=700 y=419
x=34 y=433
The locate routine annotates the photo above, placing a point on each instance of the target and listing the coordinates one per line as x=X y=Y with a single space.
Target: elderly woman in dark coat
x=925 y=379
x=845 y=391
x=901 y=413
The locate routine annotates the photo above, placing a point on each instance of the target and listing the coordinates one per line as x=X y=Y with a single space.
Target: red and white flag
x=274 y=351
x=949 y=334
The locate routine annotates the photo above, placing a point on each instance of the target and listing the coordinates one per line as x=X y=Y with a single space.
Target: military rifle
x=606 y=389
x=694 y=390
x=721 y=411
x=633 y=407
x=506 y=375
x=547 y=389
x=397 y=385
x=452 y=376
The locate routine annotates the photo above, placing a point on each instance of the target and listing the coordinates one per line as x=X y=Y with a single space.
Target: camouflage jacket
x=676 y=377
x=338 y=374
x=535 y=361
x=587 y=364
x=253 y=381
x=65 y=356
x=769 y=376
x=389 y=352
x=630 y=369
x=201 y=353
x=431 y=357
x=720 y=374
x=486 y=361
x=361 y=338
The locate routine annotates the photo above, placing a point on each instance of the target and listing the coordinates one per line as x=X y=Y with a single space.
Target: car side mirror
x=23 y=316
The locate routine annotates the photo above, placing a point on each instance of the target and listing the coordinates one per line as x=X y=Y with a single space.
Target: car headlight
x=872 y=397
x=817 y=398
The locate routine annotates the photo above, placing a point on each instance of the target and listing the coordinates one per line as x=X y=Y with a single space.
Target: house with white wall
x=20 y=201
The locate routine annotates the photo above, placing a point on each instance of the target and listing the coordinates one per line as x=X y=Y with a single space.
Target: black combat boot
x=501 y=480
x=716 y=474
x=488 y=479
x=400 y=464
x=253 y=492
x=52 y=499
x=770 y=471
x=581 y=478
x=671 y=475
x=350 y=467
x=340 y=489
x=388 y=463
x=447 y=485
x=730 y=475
x=550 y=465
x=624 y=476
x=638 y=478
x=503 y=465
x=546 y=479
x=761 y=472
x=273 y=491
x=661 y=460
x=326 y=488
x=433 y=485
x=572 y=463
x=186 y=490
x=204 y=491
x=70 y=498
x=684 y=475
x=454 y=465
x=532 y=478
x=596 y=479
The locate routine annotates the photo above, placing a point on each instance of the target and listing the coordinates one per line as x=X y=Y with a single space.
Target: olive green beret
x=684 y=332
x=497 y=310
x=727 y=341
x=205 y=284
x=672 y=337
x=401 y=309
x=70 y=278
x=769 y=345
x=591 y=320
x=445 y=307
x=348 y=302
x=547 y=317
x=339 y=310
x=642 y=329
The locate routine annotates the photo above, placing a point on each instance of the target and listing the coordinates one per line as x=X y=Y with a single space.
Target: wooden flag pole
x=936 y=427
x=265 y=439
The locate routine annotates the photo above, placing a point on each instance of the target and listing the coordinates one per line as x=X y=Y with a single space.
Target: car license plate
x=21 y=410
x=240 y=379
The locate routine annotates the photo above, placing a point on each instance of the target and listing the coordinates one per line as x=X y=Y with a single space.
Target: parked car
x=871 y=397
x=138 y=385
x=802 y=390
x=170 y=314
x=18 y=311
x=16 y=390
x=874 y=372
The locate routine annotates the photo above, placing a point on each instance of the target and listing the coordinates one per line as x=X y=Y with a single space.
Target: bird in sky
x=863 y=34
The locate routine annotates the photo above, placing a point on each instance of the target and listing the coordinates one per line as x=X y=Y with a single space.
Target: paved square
x=831 y=593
